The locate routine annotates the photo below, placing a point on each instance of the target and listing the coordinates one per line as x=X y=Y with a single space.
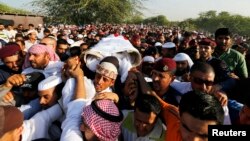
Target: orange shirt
x=171 y=118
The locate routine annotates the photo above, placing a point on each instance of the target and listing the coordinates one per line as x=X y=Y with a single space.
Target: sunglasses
x=201 y=81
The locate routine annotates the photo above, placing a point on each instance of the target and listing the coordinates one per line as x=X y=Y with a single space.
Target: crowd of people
x=120 y=82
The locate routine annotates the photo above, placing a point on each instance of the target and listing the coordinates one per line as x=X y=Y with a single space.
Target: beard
x=181 y=72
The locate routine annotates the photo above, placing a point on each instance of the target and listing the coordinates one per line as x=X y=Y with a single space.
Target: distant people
x=169 y=50
x=32 y=39
x=235 y=60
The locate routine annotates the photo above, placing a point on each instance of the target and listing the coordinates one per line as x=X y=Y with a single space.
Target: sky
x=174 y=10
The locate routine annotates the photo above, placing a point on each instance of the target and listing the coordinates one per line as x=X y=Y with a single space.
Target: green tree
x=87 y=11
x=158 y=20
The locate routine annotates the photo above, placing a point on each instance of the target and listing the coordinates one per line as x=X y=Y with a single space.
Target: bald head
x=50 y=42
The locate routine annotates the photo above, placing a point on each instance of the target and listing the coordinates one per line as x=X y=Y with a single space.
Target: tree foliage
x=158 y=20
x=210 y=21
x=88 y=11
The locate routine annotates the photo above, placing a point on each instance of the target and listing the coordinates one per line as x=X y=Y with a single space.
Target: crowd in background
x=120 y=82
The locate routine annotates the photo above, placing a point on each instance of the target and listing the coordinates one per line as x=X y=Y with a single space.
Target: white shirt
x=38 y=125
x=73 y=121
x=53 y=68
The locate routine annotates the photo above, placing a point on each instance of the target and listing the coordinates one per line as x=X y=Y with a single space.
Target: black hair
x=147 y=104
x=202 y=106
x=202 y=67
x=111 y=59
x=222 y=31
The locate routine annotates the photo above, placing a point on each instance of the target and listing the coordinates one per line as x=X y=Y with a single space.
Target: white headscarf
x=183 y=57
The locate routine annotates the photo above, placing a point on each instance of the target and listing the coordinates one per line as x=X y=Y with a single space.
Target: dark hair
x=75 y=51
x=202 y=67
x=148 y=103
x=202 y=106
x=111 y=59
x=222 y=31
x=61 y=41
x=58 y=90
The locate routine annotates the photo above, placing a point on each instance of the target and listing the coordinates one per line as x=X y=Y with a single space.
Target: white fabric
x=148 y=59
x=183 y=57
x=38 y=125
x=71 y=124
x=53 y=68
x=109 y=66
x=158 y=44
x=113 y=46
x=73 y=109
x=69 y=90
x=168 y=45
x=49 y=82
x=28 y=44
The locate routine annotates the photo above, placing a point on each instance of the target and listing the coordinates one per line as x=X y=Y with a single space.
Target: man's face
x=223 y=42
x=194 y=132
x=130 y=89
x=49 y=42
x=205 y=51
x=245 y=115
x=102 y=82
x=47 y=97
x=1 y=27
x=39 y=61
x=161 y=81
x=144 y=122
x=13 y=62
x=61 y=49
x=202 y=81
x=182 y=67
x=33 y=36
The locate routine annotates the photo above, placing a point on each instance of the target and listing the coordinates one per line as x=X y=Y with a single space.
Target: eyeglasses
x=201 y=81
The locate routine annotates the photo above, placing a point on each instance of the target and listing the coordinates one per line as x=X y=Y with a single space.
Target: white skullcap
x=31 y=31
x=183 y=57
x=169 y=45
x=148 y=59
x=49 y=82
x=107 y=69
x=80 y=36
x=158 y=44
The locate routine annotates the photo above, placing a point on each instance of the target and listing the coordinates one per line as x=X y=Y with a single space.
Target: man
x=50 y=91
x=61 y=49
x=195 y=107
x=14 y=128
x=162 y=75
x=168 y=50
x=50 y=42
x=183 y=65
x=104 y=80
x=3 y=33
x=82 y=125
x=12 y=58
x=143 y=123
x=41 y=58
x=235 y=60
x=11 y=120
x=202 y=79
x=32 y=39
x=206 y=50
